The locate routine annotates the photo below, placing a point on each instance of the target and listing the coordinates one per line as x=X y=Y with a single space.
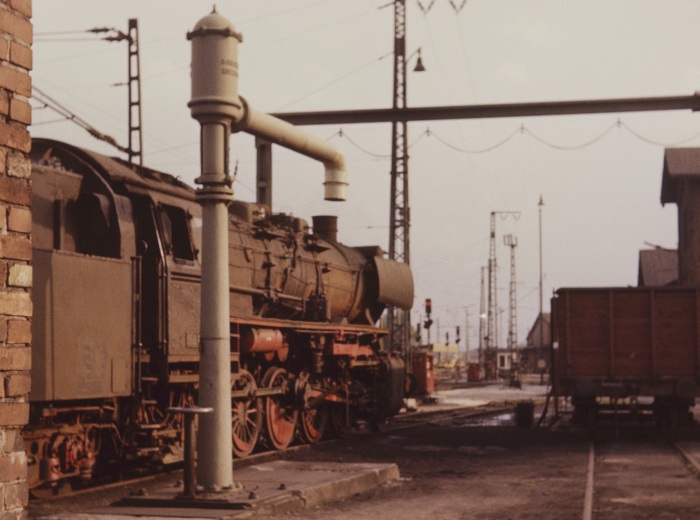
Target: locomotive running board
x=309 y=326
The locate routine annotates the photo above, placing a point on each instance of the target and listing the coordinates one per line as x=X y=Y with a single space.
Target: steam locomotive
x=116 y=321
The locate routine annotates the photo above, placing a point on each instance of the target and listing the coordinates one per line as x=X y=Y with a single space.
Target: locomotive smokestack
x=325 y=227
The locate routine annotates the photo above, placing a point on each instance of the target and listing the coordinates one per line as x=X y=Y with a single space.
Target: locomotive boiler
x=117 y=321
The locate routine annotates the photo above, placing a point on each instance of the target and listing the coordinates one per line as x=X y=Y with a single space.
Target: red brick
x=13 y=467
x=16 y=358
x=19 y=331
x=17 y=385
x=15 y=303
x=11 y=441
x=14 y=414
x=16 y=494
x=15 y=26
x=4 y=50
x=20 y=111
x=3 y=330
x=4 y=109
x=15 y=135
x=21 y=55
x=4 y=269
x=23 y=6
x=19 y=220
x=15 y=247
x=16 y=191
x=15 y=80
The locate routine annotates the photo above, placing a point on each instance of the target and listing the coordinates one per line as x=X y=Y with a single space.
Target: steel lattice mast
x=512 y=242
x=399 y=223
x=492 y=336
x=134 y=85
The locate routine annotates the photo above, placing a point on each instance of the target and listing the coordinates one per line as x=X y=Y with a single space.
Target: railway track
x=639 y=479
x=174 y=473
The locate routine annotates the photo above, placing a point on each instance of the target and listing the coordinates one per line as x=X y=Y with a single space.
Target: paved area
x=268 y=488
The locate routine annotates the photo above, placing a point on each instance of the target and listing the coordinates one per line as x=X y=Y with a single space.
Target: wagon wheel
x=313 y=423
x=246 y=420
x=280 y=416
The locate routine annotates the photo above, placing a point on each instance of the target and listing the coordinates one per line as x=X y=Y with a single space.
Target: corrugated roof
x=657 y=267
x=678 y=163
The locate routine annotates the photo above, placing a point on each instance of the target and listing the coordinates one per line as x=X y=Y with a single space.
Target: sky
x=599 y=176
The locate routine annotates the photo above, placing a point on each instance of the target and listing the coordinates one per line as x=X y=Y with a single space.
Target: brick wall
x=15 y=251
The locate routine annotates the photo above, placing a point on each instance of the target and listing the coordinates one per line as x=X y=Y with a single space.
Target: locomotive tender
x=116 y=321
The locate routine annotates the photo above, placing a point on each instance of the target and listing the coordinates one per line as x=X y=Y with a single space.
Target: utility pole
x=492 y=318
x=512 y=242
x=540 y=358
x=135 y=129
x=482 y=317
x=540 y=205
x=466 y=335
x=399 y=220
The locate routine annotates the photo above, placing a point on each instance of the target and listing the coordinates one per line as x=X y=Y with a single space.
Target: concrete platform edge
x=333 y=491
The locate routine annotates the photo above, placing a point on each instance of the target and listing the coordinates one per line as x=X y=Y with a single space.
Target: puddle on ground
x=504 y=419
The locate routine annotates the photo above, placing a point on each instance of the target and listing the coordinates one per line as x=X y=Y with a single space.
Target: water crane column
x=214 y=105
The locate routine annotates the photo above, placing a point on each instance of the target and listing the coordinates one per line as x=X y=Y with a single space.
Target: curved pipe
x=284 y=134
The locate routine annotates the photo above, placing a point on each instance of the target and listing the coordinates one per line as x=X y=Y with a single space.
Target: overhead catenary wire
x=522 y=129
x=457 y=7
x=54 y=105
x=336 y=80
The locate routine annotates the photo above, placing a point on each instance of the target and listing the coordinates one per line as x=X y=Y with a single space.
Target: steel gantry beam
x=545 y=108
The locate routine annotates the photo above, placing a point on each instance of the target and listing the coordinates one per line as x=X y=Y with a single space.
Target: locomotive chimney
x=325 y=227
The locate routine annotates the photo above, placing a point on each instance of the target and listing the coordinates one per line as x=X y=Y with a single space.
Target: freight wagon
x=611 y=344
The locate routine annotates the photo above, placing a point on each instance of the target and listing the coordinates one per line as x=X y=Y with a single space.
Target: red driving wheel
x=280 y=414
x=246 y=415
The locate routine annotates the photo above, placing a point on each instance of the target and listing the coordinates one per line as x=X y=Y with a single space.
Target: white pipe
x=284 y=134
